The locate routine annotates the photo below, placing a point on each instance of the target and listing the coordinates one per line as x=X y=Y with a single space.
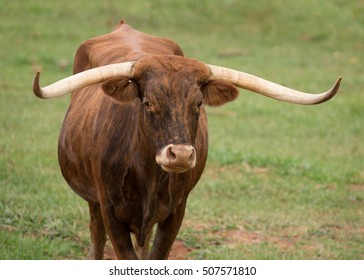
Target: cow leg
x=98 y=233
x=166 y=234
x=119 y=236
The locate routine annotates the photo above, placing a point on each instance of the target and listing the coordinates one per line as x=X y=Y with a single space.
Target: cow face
x=171 y=92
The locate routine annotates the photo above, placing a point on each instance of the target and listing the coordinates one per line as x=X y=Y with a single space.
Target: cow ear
x=217 y=93
x=122 y=90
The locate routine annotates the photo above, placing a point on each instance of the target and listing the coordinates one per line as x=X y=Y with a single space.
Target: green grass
x=282 y=181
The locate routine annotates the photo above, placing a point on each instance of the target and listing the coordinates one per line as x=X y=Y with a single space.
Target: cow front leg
x=119 y=235
x=97 y=231
x=166 y=234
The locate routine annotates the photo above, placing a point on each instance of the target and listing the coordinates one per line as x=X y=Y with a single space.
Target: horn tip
x=338 y=81
x=336 y=86
x=36 y=87
x=333 y=91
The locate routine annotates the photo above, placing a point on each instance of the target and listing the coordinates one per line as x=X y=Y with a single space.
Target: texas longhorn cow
x=134 y=140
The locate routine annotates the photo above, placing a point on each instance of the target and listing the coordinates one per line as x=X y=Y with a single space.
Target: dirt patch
x=356 y=188
x=109 y=253
x=239 y=236
x=179 y=251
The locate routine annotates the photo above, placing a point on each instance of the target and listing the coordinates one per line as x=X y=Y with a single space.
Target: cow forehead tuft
x=164 y=65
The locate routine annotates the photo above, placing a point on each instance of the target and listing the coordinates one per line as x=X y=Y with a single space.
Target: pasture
x=282 y=181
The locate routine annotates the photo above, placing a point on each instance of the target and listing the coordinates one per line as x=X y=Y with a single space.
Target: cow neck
x=164 y=194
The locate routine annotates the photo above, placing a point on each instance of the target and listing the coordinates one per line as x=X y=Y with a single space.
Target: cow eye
x=148 y=105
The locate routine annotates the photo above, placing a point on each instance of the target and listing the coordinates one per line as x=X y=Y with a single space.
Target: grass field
x=282 y=181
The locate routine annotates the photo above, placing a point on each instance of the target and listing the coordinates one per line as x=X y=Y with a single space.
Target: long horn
x=83 y=79
x=270 y=89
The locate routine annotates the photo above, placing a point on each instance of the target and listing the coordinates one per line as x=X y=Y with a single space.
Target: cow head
x=171 y=91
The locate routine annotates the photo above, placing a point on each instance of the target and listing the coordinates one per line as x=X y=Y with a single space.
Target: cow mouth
x=174 y=169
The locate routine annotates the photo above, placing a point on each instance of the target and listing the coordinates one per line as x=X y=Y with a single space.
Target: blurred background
x=282 y=181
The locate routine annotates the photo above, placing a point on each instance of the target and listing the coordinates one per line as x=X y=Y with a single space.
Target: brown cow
x=134 y=140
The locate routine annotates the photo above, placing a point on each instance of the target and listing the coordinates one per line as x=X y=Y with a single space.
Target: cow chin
x=174 y=169
x=176 y=158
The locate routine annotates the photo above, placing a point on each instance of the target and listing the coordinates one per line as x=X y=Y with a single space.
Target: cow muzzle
x=176 y=158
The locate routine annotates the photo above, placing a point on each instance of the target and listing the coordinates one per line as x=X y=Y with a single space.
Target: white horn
x=270 y=89
x=83 y=79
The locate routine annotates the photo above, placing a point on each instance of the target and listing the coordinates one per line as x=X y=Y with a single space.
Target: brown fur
x=112 y=133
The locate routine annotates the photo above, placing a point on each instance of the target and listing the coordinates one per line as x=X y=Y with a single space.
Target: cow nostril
x=193 y=155
x=170 y=154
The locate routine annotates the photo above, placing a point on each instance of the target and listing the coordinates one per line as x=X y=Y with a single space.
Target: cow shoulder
x=81 y=60
x=176 y=49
